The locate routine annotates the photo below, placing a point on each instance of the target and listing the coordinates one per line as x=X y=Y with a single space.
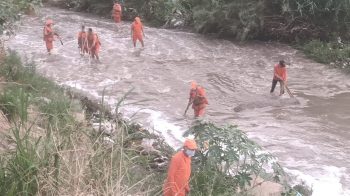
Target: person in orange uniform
x=94 y=44
x=49 y=35
x=200 y=102
x=137 y=32
x=117 y=12
x=179 y=172
x=82 y=45
x=193 y=94
x=193 y=91
x=279 y=75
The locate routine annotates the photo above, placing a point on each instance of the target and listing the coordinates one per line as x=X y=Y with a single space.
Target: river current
x=310 y=139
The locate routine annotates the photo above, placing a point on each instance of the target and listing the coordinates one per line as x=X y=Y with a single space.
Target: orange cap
x=190 y=144
x=49 y=21
x=201 y=91
x=193 y=85
x=137 y=19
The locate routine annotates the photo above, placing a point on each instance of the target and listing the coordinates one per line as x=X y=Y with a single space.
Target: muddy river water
x=310 y=139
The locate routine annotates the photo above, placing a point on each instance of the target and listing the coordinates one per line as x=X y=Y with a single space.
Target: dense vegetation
x=287 y=20
x=10 y=11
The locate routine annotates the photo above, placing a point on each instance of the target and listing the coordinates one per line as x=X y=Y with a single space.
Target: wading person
x=94 y=44
x=200 y=102
x=279 y=75
x=137 y=32
x=82 y=42
x=49 y=35
x=117 y=12
x=179 y=172
x=193 y=93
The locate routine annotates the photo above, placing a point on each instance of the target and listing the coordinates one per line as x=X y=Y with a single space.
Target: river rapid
x=311 y=139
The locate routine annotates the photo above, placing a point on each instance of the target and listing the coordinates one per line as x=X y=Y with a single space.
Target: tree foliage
x=229 y=162
x=286 y=20
x=10 y=10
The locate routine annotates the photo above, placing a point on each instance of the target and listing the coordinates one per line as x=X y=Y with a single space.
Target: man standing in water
x=117 y=12
x=200 y=102
x=82 y=45
x=197 y=99
x=137 y=32
x=49 y=35
x=94 y=44
x=179 y=172
x=279 y=75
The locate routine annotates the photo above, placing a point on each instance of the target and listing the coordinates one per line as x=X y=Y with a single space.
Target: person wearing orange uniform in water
x=117 y=12
x=193 y=93
x=94 y=44
x=137 y=32
x=49 y=35
x=82 y=43
x=200 y=102
x=179 y=172
x=279 y=75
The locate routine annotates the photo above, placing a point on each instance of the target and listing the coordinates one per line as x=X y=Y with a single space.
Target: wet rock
x=266 y=188
x=147 y=147
x=44 y=99
x=105 y=127
x=160 y=163
x=239 y=108
x=177 y=20
x=107 y=141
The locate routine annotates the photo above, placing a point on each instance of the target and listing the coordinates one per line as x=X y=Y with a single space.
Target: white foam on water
x=326 y=183
x=76 y=85
x=107 y=82
x=73 y=83
x=157 y=121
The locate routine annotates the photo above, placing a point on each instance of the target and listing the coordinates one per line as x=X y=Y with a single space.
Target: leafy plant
x=14 y=103
x=229 y=162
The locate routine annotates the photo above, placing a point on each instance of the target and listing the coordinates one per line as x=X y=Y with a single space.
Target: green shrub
x=19 y=170
x=333 y=52
x=229 y=162
x=14 y=103
x=11 y=67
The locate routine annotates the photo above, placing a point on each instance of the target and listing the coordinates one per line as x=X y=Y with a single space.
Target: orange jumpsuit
x=178 y=178
x=82 y=41
x=94 y=43
x=117 y=13
x=137 y=29
x=200 y=102
x=48 y=37
x=281 y=72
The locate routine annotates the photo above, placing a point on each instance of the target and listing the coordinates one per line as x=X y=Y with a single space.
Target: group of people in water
x=179 y=171
x=89 y=42
x=177 y=181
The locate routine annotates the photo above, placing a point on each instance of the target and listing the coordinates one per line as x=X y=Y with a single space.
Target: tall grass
x=54 y=154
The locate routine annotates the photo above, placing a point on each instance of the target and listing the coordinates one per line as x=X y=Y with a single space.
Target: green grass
x=54 y=154
x=328 y=53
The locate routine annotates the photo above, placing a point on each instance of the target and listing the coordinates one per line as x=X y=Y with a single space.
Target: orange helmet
x=190 y=144
x=49 y=21
x=193 y=85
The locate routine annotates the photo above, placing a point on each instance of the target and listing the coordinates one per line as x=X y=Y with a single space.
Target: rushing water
x=311 y=139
